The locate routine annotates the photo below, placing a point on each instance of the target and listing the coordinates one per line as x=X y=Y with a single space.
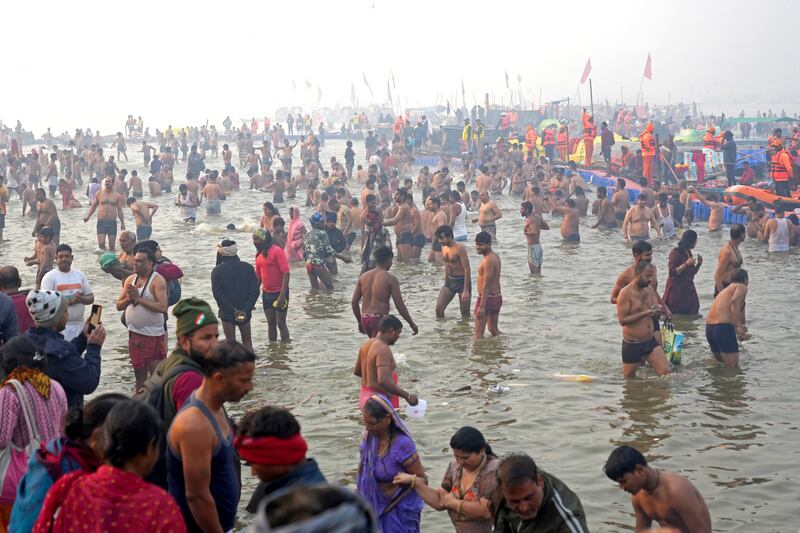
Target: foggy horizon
x=179 y=65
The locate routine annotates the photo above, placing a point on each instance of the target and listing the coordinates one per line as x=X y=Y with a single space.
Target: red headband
x=271 y=450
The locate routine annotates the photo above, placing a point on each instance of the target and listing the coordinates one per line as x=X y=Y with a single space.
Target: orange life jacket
x=562 y=140
x=709 y=142
x=648 y=144
x=549 y=137
x=589 y=129
x=780 y=166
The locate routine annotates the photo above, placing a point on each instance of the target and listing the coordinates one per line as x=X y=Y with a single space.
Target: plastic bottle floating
x=580 y=378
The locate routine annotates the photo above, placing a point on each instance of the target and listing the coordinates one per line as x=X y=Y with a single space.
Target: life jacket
x=466 y=133
x=589 y=129
x=562 y=140
x=709 y=142
x=779 y=166
x=549 y=137
x=648 y=144
x=530 y=138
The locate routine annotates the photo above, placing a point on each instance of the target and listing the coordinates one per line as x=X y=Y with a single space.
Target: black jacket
x=235 y=286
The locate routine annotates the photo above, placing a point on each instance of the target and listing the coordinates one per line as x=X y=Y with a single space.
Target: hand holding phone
x=95 y=318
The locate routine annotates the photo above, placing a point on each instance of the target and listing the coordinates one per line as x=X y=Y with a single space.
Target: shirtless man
x=483 y=181
x=570 y=226
x=136 y=185
x=604 y=209
x=534 y=224
x=754 y=212
x=403 y=226
x=44 y=253
x=730 y=259
x=213 y=193
x=490 y=299
x=657 y=495
x=373 y=291
x=142 y=216
x=725 y=321
x=457 y=275
x=109 y=205
x=436 y=219
x=717 y=209
x=147 y=152
x=376 y=366
x=620 y=201
x=638 y=221
x=227 y=156
x=46 y=216
x=637 y=310
x=286 y=154
x=488 y=215
x=28 y=197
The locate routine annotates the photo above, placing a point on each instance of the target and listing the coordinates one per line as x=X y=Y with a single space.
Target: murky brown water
x=734 y=434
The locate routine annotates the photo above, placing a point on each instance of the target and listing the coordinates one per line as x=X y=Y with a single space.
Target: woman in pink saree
x=294 y=235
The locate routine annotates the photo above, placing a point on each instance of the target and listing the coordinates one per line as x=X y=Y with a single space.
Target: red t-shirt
x=184 y=386
x=270 y=269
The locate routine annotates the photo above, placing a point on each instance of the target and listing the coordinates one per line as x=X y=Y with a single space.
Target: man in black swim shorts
x=457 y=276
x=637 y=309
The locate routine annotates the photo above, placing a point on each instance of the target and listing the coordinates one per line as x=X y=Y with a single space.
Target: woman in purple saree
x=387 y=449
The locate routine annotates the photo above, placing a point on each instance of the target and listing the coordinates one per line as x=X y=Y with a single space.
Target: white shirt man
x=73 y=286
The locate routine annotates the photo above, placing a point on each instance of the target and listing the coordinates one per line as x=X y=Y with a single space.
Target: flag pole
x=591 y=96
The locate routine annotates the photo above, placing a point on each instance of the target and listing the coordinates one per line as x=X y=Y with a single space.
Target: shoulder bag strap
x=27 y=412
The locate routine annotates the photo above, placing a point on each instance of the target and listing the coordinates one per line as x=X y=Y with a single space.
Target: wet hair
x=640 y=247
x=620 y=183
x=383 y=254
x=435 y=200
x=663 y=198
x=516 y=469
x=602 y=191
x=130 y=428
x=483 y=237
x=130 y=200
x=278 y=221
x=81 y=422
x=688 y=239
x=469 y=439
x=737 y=231
x=642 y=266
x=444 y=231
x=389 y=323
x=579 y=191
x=623 y=460
x=527 y=207
x=64 y=248
x=739 y=276
x=454 y=195
x=227 y=355
x=46 y=232
x=376 y=410
x=269 y=421
x=571 y=202
x=21 y=352
x=642 y=197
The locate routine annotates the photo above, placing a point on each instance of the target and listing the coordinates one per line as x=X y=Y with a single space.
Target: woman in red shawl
x=115 y=498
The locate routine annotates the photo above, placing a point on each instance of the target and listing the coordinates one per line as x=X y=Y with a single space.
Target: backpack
x=173 y=292
x=152 y=393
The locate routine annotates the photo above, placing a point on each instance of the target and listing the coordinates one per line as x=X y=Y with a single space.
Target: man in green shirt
x=530 y=500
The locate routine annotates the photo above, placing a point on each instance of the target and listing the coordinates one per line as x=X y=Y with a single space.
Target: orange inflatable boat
x=741 y=194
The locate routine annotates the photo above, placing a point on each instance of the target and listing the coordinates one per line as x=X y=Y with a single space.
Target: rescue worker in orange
x=530 y=141
x=549 y=142
x=780 y=170
x=589 y=133
x=709 y=141
x=562 y=143
x=648 y=144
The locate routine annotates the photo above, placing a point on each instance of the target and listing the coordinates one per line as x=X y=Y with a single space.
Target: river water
x=733 y=433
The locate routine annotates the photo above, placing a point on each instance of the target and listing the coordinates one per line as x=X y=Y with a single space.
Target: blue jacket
x=77 y=374
x=8 y=319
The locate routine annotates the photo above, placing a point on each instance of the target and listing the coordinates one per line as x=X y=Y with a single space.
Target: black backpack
x=152 y=393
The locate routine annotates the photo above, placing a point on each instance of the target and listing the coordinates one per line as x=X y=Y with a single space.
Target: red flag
x=648 y=68
x=587 y=70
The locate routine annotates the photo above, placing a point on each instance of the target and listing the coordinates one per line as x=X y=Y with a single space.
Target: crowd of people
x=169 y=456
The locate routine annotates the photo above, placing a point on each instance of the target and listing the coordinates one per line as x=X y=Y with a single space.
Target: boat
x=741 y=194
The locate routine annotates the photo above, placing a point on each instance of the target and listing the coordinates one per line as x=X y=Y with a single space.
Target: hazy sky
x=81 y=64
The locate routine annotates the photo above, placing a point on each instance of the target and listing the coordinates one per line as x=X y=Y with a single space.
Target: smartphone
x=95 y=318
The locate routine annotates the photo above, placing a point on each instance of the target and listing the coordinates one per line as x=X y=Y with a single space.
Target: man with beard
x=637 y=306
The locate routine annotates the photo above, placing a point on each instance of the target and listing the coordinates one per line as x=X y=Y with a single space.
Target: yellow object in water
x=580 y=378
